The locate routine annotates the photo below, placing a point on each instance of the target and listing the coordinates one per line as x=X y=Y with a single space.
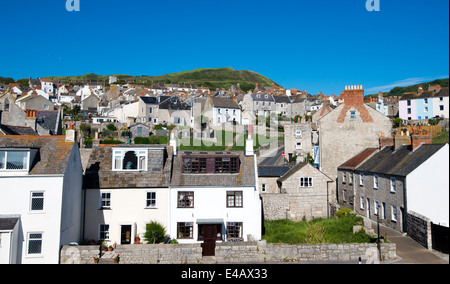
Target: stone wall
x=419 y=228
x=275 y=205
x=232 y=253
x=79 y=254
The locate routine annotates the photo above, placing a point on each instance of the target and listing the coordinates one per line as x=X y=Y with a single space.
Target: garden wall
x=243 y=252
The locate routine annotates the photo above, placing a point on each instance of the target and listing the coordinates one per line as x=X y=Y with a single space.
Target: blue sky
x=316 y=45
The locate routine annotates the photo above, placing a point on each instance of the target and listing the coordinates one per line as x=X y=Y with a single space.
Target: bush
x=343 y=212
x=155 y=233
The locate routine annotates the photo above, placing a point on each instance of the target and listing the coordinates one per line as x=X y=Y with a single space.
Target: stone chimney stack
x=173 y=142
x=249 y=151
x=70 y=133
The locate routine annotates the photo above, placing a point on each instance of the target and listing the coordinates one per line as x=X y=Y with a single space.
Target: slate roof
x=296 y=168
x=53 y=152
x=245 y=177
x=444 y=92
x=399 y=162
x=17 y=130
x=8 y=223
x=224 y=103
x=150 y=100
x=272 y=171
x=99 y=172
x=174 y=103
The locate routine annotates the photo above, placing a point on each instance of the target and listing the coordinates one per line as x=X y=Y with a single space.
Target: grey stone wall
x=275 y=205
x=419 y=228
x=242 y=252
x=79 y=254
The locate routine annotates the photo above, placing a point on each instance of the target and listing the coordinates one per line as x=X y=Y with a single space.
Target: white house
x=40 y=197
x=214 y=197
x=224 y=110
x=126 y=188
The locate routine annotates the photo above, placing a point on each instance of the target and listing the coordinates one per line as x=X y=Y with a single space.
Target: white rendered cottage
x=40 y=198
x=214 y=196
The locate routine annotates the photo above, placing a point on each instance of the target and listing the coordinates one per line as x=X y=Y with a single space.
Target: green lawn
x=318 y=230
x=441 y=138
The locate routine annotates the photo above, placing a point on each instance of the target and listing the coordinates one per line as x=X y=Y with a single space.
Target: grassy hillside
x=400 y=91
x=212 y=78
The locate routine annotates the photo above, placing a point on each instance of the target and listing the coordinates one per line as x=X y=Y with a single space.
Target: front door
x=125 y=236
x=209 y=240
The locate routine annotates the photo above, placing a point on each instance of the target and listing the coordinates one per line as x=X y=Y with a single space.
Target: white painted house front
x=40 y=198
x=126 y=188
x=214 y=195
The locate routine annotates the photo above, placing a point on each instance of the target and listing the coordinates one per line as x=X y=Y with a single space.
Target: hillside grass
x=442 y=138
x=211 y=78
x=319 y=230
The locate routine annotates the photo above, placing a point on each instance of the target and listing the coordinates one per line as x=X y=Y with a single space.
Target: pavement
x=410 y=251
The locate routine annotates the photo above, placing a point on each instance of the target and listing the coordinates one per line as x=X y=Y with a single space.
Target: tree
x=155 y=233
x=111 y=127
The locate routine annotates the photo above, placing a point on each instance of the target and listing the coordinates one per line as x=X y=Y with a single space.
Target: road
x=273 y=160
x=408 y=250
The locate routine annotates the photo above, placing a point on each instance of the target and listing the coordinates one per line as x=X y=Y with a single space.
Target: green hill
x=211 y=78
x=400 y=91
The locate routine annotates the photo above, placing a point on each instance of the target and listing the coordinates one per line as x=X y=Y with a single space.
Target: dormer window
x=14 y=160
x=130 y=160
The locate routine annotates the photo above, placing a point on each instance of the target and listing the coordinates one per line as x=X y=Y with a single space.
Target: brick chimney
x=386 y=141
x=417 y=140
x=353 y=97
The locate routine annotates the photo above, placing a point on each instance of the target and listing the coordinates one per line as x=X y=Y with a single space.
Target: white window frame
x=298 y=134
x=394 y=213
x=34 y=239
x=375 y=181
x=6 y=161
x=151 y=199
x=393 y=185
x=119 y=155
x=298 y=146
x=361 y=203
x=361 y=179
x=105 y=199
x=376 y=207
x=37 y=197
x=306 y=182
x=106 y=232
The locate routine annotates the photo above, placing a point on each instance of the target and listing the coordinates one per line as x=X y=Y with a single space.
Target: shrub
x=343 y=212
x=155 y=233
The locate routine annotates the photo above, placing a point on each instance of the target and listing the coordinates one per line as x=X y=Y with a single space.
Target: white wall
x=128 y=207
x=211 y=203
x=428 y=188
x=15 y=195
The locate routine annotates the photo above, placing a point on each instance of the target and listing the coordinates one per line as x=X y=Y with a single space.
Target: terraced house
x=402 y=185
x=425 y=104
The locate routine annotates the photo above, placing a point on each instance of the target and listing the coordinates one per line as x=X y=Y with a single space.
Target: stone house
x=275 y=204
x=349 y=129
x=140 y=130
x=34 y=102
x=397 y=182
x=173 y=110
x=299 y=140
x=308 y=191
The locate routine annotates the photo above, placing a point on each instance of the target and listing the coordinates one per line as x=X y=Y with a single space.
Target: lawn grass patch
x=319 y=230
